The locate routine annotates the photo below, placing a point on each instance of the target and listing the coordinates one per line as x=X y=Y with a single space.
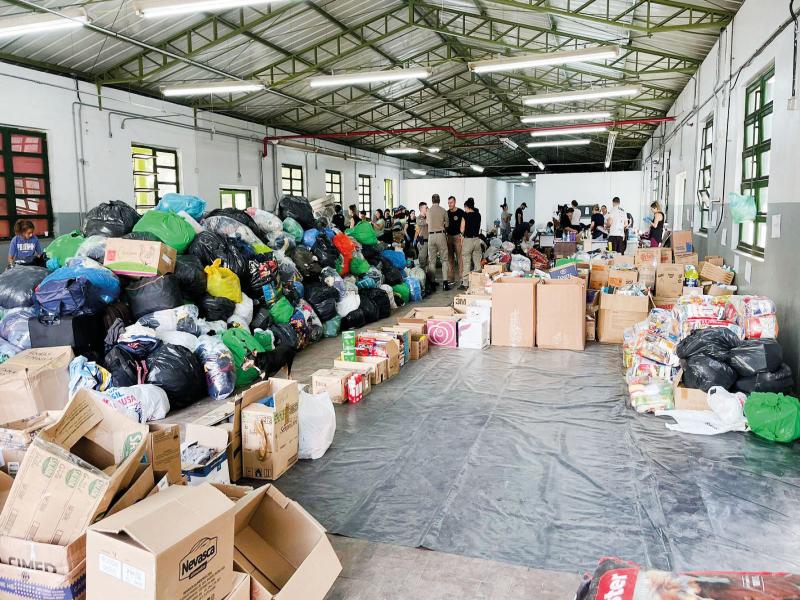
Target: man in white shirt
x=615 y=224
x=576 y=215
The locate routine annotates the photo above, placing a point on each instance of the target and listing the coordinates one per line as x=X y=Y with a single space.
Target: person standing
x=471 y=251
x=408 y=233
x=437 y=239
x=519 y=223
x=576 y=216
x=354 y=216
x=598 y=223
x=338 y=217
x=615 y=223
x=455 y=216
x=378 y=223
x=421 y=235
x=657 y=226
x=505 y=222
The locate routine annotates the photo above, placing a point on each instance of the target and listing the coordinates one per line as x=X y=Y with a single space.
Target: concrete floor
x=376 y=571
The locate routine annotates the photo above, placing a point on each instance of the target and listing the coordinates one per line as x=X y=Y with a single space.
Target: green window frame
x=333 y=185
x=756 y=160
x=365 y=194
x=704 y=176
x=155 y=174
x=24 y=181
x=388 y=193
x=235 y=198
x=292 y=180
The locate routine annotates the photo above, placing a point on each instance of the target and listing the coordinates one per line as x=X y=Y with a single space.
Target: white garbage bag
x=317 y=423
x=179 y=338
x=520 y=263
x=144 y=402
x=242 y=313
x=726 y=414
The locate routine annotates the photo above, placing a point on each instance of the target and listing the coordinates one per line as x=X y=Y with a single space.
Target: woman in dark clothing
x=598 y=223
x=657 y=226
x=354 y=218
x=410 y=231
x=338 y=217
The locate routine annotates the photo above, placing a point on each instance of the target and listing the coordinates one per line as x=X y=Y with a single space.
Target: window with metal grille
x=155 y=174
x=388 y=193
x=292 y=180
x=365 y=194
x=235 y=198
x=333 y=185
x=756 y=160
x=704 y=176
x=24 y=181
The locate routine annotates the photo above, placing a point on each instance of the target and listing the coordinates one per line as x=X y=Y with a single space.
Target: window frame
x=755 y=182
x=8 y=175
x=331 y=185
x=704 y=175
x=292 y=179
x=365 y=193
x=388 y=193
x=156 y=184
x=233 y=191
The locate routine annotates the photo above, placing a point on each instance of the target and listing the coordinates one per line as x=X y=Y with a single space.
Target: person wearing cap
x=471 y=251
x=455 y=216
x=437 y=239
x=616 y=221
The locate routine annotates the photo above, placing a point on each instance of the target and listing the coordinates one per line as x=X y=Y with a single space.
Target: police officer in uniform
x=437 y=239
x=455 y=216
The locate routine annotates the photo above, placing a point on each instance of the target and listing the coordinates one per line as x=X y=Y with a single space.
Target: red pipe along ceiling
x=458 y=134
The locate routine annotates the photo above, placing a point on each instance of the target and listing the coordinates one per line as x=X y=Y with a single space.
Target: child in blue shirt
x=25 y=247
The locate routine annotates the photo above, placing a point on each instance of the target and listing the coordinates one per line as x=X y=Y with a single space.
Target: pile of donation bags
x=167 y=307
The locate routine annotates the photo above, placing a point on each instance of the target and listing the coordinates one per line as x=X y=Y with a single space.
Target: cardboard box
x=717 y=274
x=565 y=272
x=381 y=366
x=164 y=451
x=715 y=260
x=78 y=464
x=403 y=337
x=16 y=436
x=283 y=549
x=650 y=257
x=332 y=381
x=417 y=318
x=473 y=332
x=241 y=587
x=665 y=303
x=40 y=584
x=139 y=258
x=419 y=346
x=591 y=329
x=228 y=416
x=561 y=314
x=623 y=259
x=462 y=302
x=215 y=470
x=647 y=276
x=619 y=277
x=617 y=313
x=666 y=255
x=369 y=370
x=688 y=398
x=169 y=546
x=598 y=276
x=692 y=291
x=380 y=345
x=478 y=283
x=716 y=290
x=34 y=381
x=28 y=556
x=443 y=331
x=143 y=483
x=270 y=429
x=669 y=281
x=514 y=312
x=686 y=259
x=491 y=270
x=682 y=242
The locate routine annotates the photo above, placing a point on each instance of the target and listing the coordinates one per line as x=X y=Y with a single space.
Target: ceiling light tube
x=434 y=150
x=28 y=23
x=536 y=163
x=509 y=143
x=530 y=61
x=205 y=88
x=559 y=143
x=367 y=77
x=578 y=95
x=477 y=168
x=524 y=184
x=395 y=151
x=153 y=9
x=420 y=172
x=561 y=117
x=572 y=131
x=524 y=174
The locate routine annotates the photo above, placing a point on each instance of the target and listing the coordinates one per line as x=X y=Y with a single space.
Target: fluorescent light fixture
x=559 y=143
x=612 y=139
x=476 y=168
x=368 y=77
x=420 y=172
x=205 y=88
x=434 y=150
x=530 y=61
x=578 y=95
x=509 y=143
x=524 y=174
x=573 y=131
x=524 y=184
x=536 y=163
x=541 y=166
x=32 y=22
x=402 y=151
x=153 y=9
x=560 y=117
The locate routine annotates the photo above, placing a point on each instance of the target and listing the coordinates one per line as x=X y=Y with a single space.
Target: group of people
x=522 y=229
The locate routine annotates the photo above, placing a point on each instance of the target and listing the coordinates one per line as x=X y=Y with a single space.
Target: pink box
x=443 y=331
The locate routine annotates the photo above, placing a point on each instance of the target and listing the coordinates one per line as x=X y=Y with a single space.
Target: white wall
x=587 y=188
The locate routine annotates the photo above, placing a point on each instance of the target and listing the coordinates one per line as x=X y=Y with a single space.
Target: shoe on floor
x=447 y=286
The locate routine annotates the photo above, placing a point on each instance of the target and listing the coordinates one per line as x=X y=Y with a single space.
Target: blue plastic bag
x=309 y=237
x=398 y=259
x=414 y=288
x=329 y=233
x=743 y=208
x=101 y=278
x=193 y=205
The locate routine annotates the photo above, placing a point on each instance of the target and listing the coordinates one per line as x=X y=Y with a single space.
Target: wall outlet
x=794 y=103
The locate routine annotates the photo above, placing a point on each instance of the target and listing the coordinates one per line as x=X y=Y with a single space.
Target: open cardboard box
x=16 y=436
x=382 y=345
x=216 y=469
x=368 y=370
x=164 y=451
x=688 y=398
x=284 y=549
x=34 y=381
x=417 y=318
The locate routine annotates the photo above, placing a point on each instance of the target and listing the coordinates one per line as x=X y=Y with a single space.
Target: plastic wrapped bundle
x=106 y=282
x=287 y=271
x=332 y=279
x=761 y=327
x=179 y=338
x=263 y=270
x=520 y=263
x=642 y=370
x=181 y=318
x=652 y=396
x=363 y=233
x=281 y=311
x=192 y=223
x=176 y=370
x=402 y=291
x=322 y=299
x=142 y=403
x=298 y=209
x=245 y=350
x=17 y=285
x=495 y=242
x=310 y=237
x=211 y=327
x=704 y=372
x=231 y=228
x=695 y=313
x=168 y=227
x=138 y=341
x=397 y=259
x=369 y=309
x=150 y=294
x=64 y=247
x=325 y=252
x=661 y=322
x=379 y=299
x=266 y=221
x=387 y=289
x=391 y=275
x=507 y=247
x=332 y=327
x=355 y=319
x=218 y=365
x=350 y=302
x=774 y=417
x=754 y=306
x=414 y=289
x=192 y=205
x=111 y=219
x=284 y=336
x=237 y=215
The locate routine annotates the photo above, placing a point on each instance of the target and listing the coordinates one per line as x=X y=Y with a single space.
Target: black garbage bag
x=208 y=246
x=379 y=298
x=262 y=270
x=715 y=342
x=149 y=294
x=297 y=208
x=239 y=215
x=355 y=319
x=111 y=219
x=144 y=236
x=372 y=255
x=293 y=291
x=322 y=299
x=176 y=370
x=779 y=381
x=191 y=276
x=368 y=308
x=17 y=285
x=261 y=318
x=756 y=356
x=123 y=367
x=285 y=336
x=392 y=275
x=216 y=308
x=306 y=263
x=325 y=252
x=704 y=372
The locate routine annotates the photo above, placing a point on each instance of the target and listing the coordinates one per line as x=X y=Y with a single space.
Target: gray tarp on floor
x=532 y=457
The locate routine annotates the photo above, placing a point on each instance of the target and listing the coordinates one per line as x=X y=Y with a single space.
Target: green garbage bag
x=261 y=248
x=293 y=228
x=266 y=338
x=743 y=208
x=64 y=247
x=359 y=266
x=282 y=311
x=244 y=349
x=171 y=229
x=401 y=289
x=364 y=233
x=773 y=416
x=332 y=328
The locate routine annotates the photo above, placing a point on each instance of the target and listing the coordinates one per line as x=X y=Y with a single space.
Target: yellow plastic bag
x=223 y=283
